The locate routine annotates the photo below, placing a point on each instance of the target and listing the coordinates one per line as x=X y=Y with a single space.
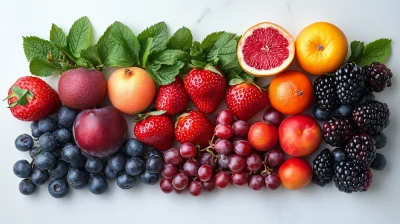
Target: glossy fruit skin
x=372 y=117
x=26 y=187
x=24 y=142
x=379 y=163
x=223 y=131
x=321 y=115
x=77 y=178
x=149 y=178
x=325 y=92
x=273 y=116
x=256 y=182
x=126 y=181
x=299 y=135
x=246 y=100
x=173 y=156
x=58 y=188
x=47 y=142
x=97 y=184
x=66 y=116
x=323 y=167
x=172 y=98
x=39 y=177
x=272 y=181
x=155 y=131
x=223 y=146
x=45 y=99
x=169 y=171
x=92 y=131
x=253 y=162
x=225 y=116
x=82 y=89
x=45 y=161
x=60 y=170
x=380 y=140
x=22 y=169
x=94 y=165
x=378 y=77
x=242 y=147
x=295 y=173
x=240 y=128
x=291 y=92
x=131 y=90
x=195 y=188
x=321 y=48
x=180 y=181
x=62 y=136
x=240 y=178
x=263 y=136
x=339 y=155
x=205 y=88
x=350 y=83
x=275 y=157
x=194 y=127
x=222 y=179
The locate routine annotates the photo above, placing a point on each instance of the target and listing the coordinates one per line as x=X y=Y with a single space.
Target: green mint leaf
x=213 y=69
x=164 y=74
x=376 y=51
x=57 y=36
x=236 y=81
x=160 y=35
x=247 y=77
x=34 y=47
x=210 y=40
x=197 y=64
x=81 y=62
x=79 y=36
x=145 y=52
x=225 y=45
x=357 y=50
x=196 y=52
x=170 y=57
x=118 y=46
x=182 y=40
x=92 y=55
x=41 y=68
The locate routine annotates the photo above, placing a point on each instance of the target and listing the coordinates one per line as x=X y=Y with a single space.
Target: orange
x=131 y=90
x=291 y=92
x=321 y=48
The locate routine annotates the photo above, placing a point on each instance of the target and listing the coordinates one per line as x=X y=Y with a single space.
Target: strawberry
x=206 y=88
x=155 y=129
x=194 y=127
x=172 y=98
x=31 y=99
x=246 y=100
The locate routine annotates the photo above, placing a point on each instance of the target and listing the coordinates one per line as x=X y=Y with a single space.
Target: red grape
x=253 y=162
x=236 y=138
x=223 y=131
x=223 y=161
x=169 y=171
x=209 y=185
x=240 y=179
x=188 y=150
x=205 y=172
x=272 y=181
x=275 y=157
x=222 y=179
x=173 y=156
x=190 y=167
x=242 y=147
x=236 y=163
x=195 y=188
x=207 y=158
x=273 y=116
x=256 y=182
x=240 y=128
x=166 y=185
x=225 y=117
x=180 y=181
x=223 y=146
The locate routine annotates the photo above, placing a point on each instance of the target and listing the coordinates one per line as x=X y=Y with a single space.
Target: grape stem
x=267 y=170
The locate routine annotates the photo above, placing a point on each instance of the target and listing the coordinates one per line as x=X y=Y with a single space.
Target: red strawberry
x=206 y=88
x=246 y=100
x=172 y=97
x=31 y=99
x=155 y=130
x=194 y=127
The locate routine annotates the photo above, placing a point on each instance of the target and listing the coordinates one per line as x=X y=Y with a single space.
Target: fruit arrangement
x=79 y=141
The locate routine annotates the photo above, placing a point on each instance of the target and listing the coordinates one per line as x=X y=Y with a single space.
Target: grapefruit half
x=265 y=49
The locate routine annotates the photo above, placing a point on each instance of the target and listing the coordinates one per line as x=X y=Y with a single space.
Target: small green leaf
x=209 y=41
x=92 y=55
x=213 y=69
x=34 y=47
x=41 y=68
x=196 y=52
x=145 y=52
x=357 y=49
x=197 y=64
x=170 y=57
x=79 y=36
x=160 y=35
x=225 y=46
x=57 y=36
x=376 y=51
x=181 y=40
x=235 y=81
x=165 y=74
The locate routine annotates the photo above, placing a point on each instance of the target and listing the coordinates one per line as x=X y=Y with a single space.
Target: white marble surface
x=361 y=20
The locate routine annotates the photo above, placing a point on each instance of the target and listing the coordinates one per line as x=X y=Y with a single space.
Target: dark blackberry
x=352 y=177
x=378 y=77
x=361 y=149
x=350 y=83
x=338 y=131
x=323 y=168
x=372 y=117
x=325 y=92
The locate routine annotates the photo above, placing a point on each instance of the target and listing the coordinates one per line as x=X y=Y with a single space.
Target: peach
x=299 y=135
x=295 y=173
x=263 y=136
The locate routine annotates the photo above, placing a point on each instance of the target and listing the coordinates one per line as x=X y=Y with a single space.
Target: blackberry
x=325 y=92
x=372 y=117
x=352 y=177
x=338 y=131
x=361 y=149
x=350 y=83
x=378 y=77
x=323 y=168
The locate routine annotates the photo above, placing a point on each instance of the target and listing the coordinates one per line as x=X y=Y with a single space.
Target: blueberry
x=380 y=140
x=58 y=188
x=110 y=174
x=39 y=177
x=80 y=164
x=77 y=178
x=134 y=166
x=339 y=155
x=22 y=168
x=126 y=181
x=344 y=110
x=71 y=154
x=134 y=147
x=36 y=133
x=149 y=178
x=47 y=142
x=365 y=98
x=26 y=187
x=62 y=136
x=57 y=153
x=379 y=163
x=117 y=162
x=154 y=164
x=321 y=115
x=94 y=165
x=97 y=184
x=24 y=143
x=47 y=124
x=45 y=161
x=153 y=152
x=66 y=116
x=60 y=170
x=34 y=151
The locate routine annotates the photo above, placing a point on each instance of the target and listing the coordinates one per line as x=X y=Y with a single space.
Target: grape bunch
x=229 y=158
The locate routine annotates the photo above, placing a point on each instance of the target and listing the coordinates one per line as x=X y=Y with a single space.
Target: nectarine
x=263 y=136
x=295 y=173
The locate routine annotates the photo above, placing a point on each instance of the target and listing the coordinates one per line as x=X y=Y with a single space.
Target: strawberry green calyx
x=180 y=117
x=212 y=68
x=144 y=116
x=23 y=96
